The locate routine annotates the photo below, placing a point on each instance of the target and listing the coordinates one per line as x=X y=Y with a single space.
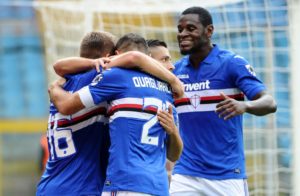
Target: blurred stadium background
x=33 y=34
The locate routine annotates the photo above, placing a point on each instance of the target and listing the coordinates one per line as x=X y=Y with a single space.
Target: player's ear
x=209 y=30
x=117 y=52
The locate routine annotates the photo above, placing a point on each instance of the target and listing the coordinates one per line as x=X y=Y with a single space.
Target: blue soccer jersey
x=137 y=154
x=213 y=147
x=78 y=148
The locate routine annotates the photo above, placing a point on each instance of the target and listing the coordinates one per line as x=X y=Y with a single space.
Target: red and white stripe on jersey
x=81 y=119
x=130 y=108
x=206 y=100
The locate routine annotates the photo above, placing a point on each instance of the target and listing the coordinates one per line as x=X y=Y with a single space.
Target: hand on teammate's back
x=101 y=62
x=57 y=82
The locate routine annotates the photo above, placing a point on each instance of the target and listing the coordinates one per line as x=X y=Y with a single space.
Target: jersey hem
x=227 y=177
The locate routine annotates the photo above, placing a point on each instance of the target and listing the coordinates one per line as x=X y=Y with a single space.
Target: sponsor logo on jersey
x=197 y=86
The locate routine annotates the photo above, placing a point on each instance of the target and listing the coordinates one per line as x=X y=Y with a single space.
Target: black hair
x=132 y=41
x=155 y=43
x=204 y=15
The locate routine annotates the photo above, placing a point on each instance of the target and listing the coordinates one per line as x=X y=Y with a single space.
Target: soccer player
x=210 y=116
x=158 y=50
x=138 y=143
x=132 y=59
x=78 y=143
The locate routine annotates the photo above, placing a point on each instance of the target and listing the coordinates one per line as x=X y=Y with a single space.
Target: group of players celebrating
x=121 y=112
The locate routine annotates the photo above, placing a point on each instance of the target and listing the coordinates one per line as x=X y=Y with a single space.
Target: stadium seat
x=239 y=40
x=280 y=39
x=281 y=58
x=256 y=3
x=285 y=158
x=24 y=12
x=6 y=12
x=13 y=103
x=220 y=38
x=235 y=15
x=284 y=140
x=8 y=42
x=9 y=66
x=259 y=59
x=248 y=121
x=34 y=59
x=257 y=13
x=37 y=103
x=282 y=80
x=258 y=39
x=283 y=99
x=279 y=16
x=33 y=71
x=32 y=41
x=283 y=119
x=218 y=18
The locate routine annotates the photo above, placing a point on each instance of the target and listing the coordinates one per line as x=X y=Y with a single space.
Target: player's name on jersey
x=147 y=82
x=197 y=86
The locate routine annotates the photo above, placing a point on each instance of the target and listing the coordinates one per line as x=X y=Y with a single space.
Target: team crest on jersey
x=195 y=100
x=250 y=69
x=97 y=79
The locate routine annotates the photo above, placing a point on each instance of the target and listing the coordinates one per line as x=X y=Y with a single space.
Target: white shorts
x=182 y=185
x=124 y=193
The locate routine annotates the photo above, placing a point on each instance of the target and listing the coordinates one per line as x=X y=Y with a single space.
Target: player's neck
x=197 y=57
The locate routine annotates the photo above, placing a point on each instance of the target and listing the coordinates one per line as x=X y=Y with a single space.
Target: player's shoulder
x=225 y=55
x=181 y=64
x=183 y=61
x=238 y=59
x=116 y=71
x=115 y=74
x=231 y=59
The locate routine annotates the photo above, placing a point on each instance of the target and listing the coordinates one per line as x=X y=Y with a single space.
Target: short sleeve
x=108 y=85
x=244 y=77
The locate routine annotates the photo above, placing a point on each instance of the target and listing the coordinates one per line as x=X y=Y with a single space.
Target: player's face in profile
x=162 y=55
x=191 y=34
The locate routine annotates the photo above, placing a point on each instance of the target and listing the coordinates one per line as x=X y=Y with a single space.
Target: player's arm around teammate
x=131 y=59
x=73 y=65
x=136 y=59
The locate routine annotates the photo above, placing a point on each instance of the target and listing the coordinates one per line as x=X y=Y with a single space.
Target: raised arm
x=174 y=143
x=135 y=59
x=72 y=65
